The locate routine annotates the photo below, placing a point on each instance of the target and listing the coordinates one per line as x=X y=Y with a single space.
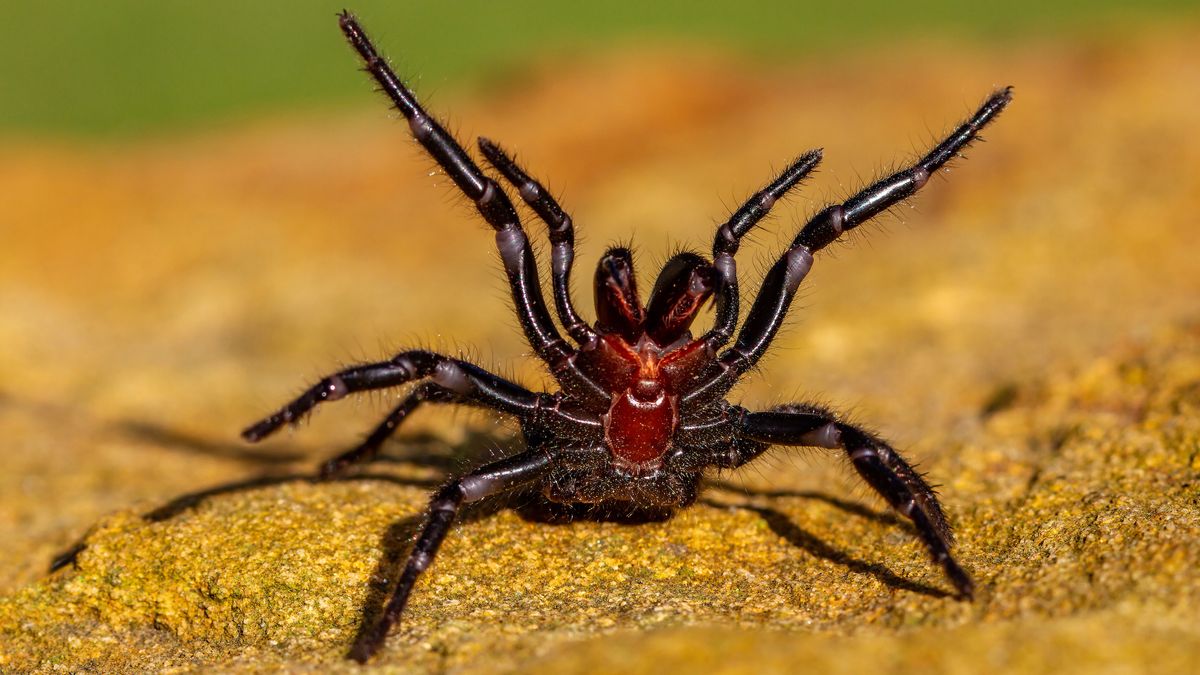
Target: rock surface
x=1031 y=337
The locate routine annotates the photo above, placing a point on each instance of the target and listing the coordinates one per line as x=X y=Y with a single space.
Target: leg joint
x=449 y=375
x=448 y=499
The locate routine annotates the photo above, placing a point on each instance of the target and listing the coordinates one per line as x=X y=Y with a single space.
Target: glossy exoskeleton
x=641 y=414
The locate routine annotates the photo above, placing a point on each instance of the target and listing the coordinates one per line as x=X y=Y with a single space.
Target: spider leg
x=561 y=230
x=779 y=287
x=366 y=451
x=729 y=238
x=493 y=205
x=465 y=380
x=877 y=462
x=495 y=478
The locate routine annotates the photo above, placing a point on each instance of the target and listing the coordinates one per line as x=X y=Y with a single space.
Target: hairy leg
x=465 y=380
x=493 y=205
x=426 y=392
x=729 y=237
x=492 y=479
x=562 y=237
x=876 y=462
x=779 y=287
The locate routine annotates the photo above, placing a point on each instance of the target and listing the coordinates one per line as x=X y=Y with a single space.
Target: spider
x=641 y=414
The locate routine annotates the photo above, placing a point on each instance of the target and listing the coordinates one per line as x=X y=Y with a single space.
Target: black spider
x=641 y=415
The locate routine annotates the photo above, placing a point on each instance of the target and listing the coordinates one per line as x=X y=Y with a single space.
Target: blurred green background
x=124 y=68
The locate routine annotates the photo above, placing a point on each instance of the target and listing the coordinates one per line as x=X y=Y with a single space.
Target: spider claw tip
x=257 y=431
x=360 y=653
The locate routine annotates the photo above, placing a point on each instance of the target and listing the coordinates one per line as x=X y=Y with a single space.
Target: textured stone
x=1031 y=338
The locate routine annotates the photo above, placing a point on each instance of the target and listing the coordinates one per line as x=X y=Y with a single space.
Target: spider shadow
x=188 y=501
x=175 y=440
x=395 y=540
x=284 y=454
x=529 y=505
x=888 y=518
x=781 y=524
x=161 y=436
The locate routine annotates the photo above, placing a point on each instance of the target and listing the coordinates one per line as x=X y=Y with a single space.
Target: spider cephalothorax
x=641 y=414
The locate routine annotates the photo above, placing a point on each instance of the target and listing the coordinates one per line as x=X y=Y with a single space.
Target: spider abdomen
x=639 y=426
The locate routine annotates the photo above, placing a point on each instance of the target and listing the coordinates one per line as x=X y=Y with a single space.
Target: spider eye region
x=639 y=426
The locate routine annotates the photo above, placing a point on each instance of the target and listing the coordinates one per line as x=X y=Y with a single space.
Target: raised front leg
x=562 y=237
x=877 y=462
x=492 y=479
x=493 y=205
x=779 y=286
x=729 y=238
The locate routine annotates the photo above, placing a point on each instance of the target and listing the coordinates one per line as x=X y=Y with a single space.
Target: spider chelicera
x=641 y=414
